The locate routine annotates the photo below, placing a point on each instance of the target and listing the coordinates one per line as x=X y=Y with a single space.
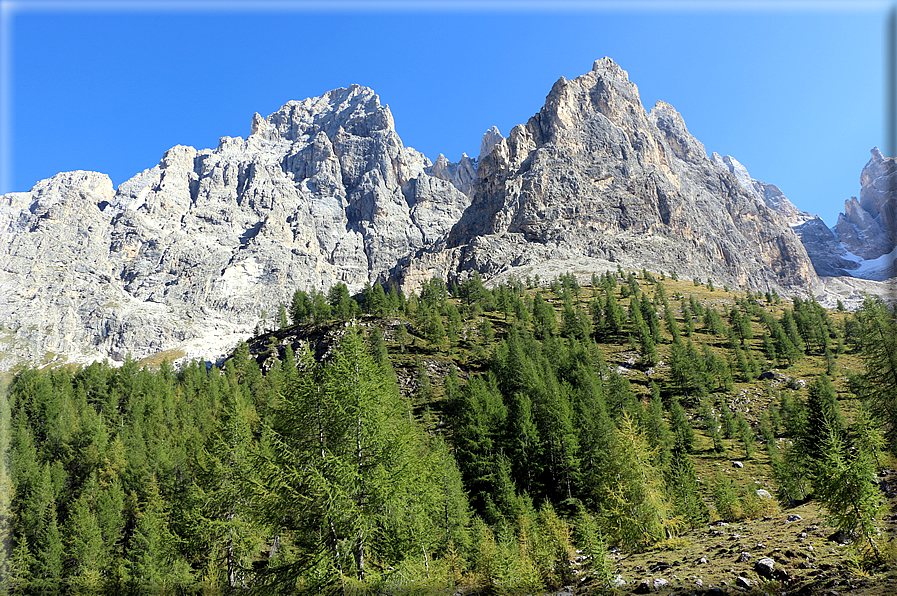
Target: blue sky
x=795 y=91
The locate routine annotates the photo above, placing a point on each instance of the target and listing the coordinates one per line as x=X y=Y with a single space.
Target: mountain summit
x=593 y=180
x=188 y=255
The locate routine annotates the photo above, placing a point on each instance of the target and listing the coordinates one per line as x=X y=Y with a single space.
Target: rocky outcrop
x=595 y=177
x=462 y=175
x=868 y=226
x=827 y=254
x=862 y=242
x=769 y=194
x=322 y=191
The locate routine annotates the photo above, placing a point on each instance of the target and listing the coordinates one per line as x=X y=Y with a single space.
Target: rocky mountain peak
x=354 y=109
x=878 y=183
x=490 y=138
x=868 y=226
x=672 y=125
x=594 y=181
x=188 y=254
x=604 y=90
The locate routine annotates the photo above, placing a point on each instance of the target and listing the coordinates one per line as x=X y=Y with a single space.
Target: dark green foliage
x=685 y=491
x=877 y=339
x=544 y=319
x=317 y=477
x=282 y=316
x=683 y=433
x=341 y=304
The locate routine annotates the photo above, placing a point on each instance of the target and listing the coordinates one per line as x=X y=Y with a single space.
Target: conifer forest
x=532 y=438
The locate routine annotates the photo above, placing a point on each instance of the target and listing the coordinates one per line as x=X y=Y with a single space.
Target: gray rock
x=596 y=180
x=490 y=139
x=763 y=494
x=765 y=568
x=659 y=583
x=863 y=234
x=743 y=582
x=738 y=464
x=190 y=252
x=744 y=557
x=186 y=256
x=462 y=175
x=793 y=518
x=829 y=256
x=617 y=582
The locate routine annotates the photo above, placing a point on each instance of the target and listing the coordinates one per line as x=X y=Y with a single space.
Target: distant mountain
x=861 y=245
x=188 y=255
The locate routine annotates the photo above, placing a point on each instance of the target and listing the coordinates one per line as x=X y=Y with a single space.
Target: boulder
x=765 y=568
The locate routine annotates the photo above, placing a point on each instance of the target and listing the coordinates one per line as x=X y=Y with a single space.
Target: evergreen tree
x=613 y=315
x=86 y=551
x=685 y=490
x=878 y=347
x=6 y=493
x=282 y=316
x=848 y=489
x=341 y=303
x=524 y=446
x=635 y=508
x=402 y=336
x=823 y=418
x=681 y=428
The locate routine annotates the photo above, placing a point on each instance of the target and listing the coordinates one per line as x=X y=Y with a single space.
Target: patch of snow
x=880 y=268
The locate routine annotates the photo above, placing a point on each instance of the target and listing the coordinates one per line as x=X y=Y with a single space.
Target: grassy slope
x=801 y=548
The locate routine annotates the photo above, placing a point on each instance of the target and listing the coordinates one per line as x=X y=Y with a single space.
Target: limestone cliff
x=595 y=179
x=197 y=247
x=188 y=255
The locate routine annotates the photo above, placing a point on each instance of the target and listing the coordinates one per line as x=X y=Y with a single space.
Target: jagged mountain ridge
x=198 y=246
x=861 y=245
x=189 y=253
x=593 y=180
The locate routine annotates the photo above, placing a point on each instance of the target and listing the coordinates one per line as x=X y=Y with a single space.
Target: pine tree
x=523 y=442
x=86 y=551
x=48 y=546
x=878 y=343
x=685 y=490
x=823 y=418
x=402 y=336
x=681 y=428
x=725 y=499
x=635 y=508
x=6 y=493
x=847 y=486
x=282 y=316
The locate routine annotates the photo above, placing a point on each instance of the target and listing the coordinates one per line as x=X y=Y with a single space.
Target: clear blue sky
x=796 y=94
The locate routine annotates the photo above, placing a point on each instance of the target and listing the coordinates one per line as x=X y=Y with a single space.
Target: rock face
x=862 y=243
x=868 y=226
x=594 y=178
x=187 y=255
x=322 y=191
